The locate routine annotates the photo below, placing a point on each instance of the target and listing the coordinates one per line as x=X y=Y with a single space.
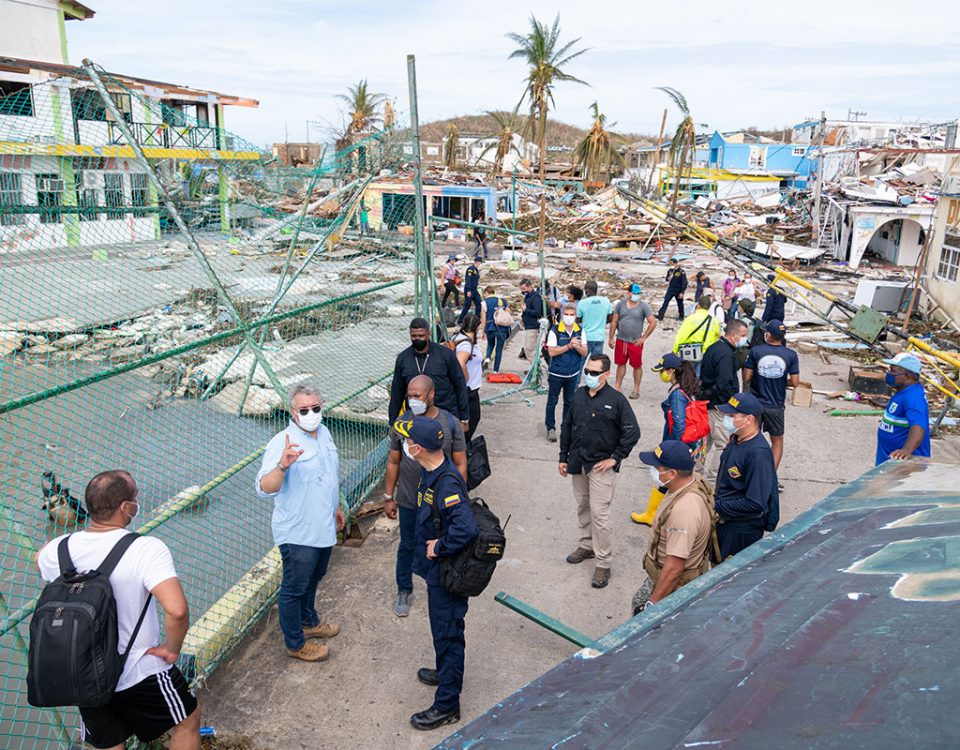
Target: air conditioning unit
x=951 y=186
x=90 y=180
x=50 y=184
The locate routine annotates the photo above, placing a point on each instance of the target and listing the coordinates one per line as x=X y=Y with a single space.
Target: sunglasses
x=594 y=372
x=306 y=410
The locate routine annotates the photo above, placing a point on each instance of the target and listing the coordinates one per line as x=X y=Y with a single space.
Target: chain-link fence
x=164 y=283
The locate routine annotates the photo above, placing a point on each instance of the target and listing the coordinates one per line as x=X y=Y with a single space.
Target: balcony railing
x=165 y=136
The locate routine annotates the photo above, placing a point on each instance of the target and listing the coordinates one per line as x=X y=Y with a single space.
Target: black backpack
x=73 y=658
x=468 y=572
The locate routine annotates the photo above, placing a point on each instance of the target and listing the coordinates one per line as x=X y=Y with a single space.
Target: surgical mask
x=136 y=512
x=406 y=450
x=655 y=476
x=743 y=342
x=310 y=422
x=634 y=297
x=417 y=406
x=728 y=424
x=569 y=320
x=592 y=381
x=890 y=379
x=665 y=376
x=420 y=344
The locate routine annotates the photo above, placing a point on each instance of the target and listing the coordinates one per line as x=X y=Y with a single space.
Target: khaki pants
x=594 y=493
x=716 y=441
x=530 y=341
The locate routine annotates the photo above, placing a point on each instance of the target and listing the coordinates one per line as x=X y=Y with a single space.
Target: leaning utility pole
x=656 y=158
x=819 y=188
x=424 y=264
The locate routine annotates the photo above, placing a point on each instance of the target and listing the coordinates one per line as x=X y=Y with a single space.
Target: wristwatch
x=282 y=467
x=387 y=497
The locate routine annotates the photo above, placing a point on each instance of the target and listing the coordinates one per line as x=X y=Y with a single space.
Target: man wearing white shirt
x=300 y=471
x=152 y=697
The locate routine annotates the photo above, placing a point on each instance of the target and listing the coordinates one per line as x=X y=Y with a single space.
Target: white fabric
x=552 y=338
x=474 y=363
x=145 y=565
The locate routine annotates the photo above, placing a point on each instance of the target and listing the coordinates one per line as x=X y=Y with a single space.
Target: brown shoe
x=601 y=577
x=322 y=630
x=579 y=555
x=310 y=652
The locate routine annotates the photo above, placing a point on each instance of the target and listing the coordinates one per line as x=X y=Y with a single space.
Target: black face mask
x=420 y=344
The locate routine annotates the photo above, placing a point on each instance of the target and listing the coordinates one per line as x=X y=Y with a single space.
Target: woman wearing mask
x=704 y=285
x=468 y=354
x=730 y=294
x=684 y=389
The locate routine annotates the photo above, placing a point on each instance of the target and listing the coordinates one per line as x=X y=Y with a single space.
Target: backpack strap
x=63 y=557
x=111 y=560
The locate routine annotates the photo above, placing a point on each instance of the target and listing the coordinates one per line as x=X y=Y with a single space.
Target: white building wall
x=30 y=30
x=943 y=293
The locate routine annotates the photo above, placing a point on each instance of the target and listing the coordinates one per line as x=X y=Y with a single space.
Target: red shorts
x=627 y=351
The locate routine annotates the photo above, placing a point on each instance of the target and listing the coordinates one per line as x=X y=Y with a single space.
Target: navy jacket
x=444 y=488
x=532 y=310
x=442 y=365
x=471 y=279
x=677 y=279
x=774 y=306
x=747 y=494
x=718 y=373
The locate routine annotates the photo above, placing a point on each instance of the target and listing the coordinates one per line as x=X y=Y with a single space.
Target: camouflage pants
x=642 y=595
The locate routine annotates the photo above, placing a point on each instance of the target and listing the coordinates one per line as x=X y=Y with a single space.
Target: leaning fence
x=164 y=282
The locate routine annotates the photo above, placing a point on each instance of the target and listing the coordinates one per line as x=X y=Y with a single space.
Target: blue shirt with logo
x=747 y=494
x=772 y=366
x=907 y=407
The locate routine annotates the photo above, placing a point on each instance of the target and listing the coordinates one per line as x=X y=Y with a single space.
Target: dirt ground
x=363 y=696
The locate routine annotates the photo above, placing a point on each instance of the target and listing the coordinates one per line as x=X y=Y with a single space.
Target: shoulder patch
x=734 y=472
x=451 y=500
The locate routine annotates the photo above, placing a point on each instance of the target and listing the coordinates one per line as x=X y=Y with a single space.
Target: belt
x=724 y=519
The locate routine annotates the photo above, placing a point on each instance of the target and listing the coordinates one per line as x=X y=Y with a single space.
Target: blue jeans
x=303 y=568
x=594 y=348
x=447 y=612
x=556 y=386
x=495 y=341
x=472 y=301
x=408 y=535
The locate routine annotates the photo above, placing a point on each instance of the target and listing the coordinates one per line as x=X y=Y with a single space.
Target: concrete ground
x=363 y=696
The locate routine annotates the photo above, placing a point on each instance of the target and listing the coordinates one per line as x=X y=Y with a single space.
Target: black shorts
x=148 y=709
x=772 y=421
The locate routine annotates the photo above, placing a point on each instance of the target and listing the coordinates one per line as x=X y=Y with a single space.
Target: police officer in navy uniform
x=747 y=500
x=441 y=487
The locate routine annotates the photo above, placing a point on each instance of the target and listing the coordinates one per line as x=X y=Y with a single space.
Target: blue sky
x=739 y=63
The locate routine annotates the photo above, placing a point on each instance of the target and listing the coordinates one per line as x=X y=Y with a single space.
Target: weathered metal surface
x=838 y=631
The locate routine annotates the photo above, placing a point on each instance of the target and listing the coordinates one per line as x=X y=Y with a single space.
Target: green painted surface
x=62 y=26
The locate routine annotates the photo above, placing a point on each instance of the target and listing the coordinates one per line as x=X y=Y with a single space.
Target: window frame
x=110 y=192
x=948 y=264
x=44 y=201
x=15 y=218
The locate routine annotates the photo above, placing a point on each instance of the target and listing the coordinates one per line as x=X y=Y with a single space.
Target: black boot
x=428 y=676
x=433 y=718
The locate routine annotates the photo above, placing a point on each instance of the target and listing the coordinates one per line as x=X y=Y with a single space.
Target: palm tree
x=450 y=150
x=599 y=150
x=541 y=49
x=684 y=144
x=363 y=107
x=389 y=116
x=507 y=125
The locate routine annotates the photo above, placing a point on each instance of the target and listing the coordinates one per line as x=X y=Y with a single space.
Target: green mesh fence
x=164 y=284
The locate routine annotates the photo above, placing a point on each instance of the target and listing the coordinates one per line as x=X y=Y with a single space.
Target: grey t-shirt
x=405 y=492
x=632 y=322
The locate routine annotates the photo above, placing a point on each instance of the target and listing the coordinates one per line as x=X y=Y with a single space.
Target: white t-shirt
x=746 y=291
x=474 y=363
x=147 y=563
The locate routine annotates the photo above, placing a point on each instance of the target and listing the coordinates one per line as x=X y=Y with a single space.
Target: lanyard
x=417 y=363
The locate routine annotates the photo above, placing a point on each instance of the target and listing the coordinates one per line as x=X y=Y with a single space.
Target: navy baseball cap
x=771 y=276
x=777 y=328
x=668 y=362
x=670 y=453
x=425 y=432
x=742 y=403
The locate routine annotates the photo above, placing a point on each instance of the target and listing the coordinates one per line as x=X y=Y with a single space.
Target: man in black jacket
x=776 y=301
x=425 y=357
x=530 y=317
x=718 y=382
x=598 y=433
x=676 y=286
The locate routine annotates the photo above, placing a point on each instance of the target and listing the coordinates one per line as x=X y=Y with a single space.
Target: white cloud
x=739 y=63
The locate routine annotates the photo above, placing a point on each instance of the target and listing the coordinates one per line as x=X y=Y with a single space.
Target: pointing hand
x=291 y=452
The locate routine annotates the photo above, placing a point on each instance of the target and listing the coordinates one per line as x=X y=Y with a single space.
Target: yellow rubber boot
x=646 y=518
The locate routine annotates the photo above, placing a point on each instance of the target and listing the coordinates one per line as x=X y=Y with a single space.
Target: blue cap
x=742 y=403
x=668 y=362
x=670 y=453
x=907 y=361
x=635 y=289
x=425 y=432
x=777 y=328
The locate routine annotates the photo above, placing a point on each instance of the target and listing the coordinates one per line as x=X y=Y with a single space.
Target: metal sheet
x=838 y=631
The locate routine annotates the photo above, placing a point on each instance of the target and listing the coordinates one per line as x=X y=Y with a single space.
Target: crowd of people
x=715 y=488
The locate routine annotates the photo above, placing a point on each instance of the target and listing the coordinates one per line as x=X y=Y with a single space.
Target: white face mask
x=743 y=342
x=569 y=320
x=634 y=297
x=406 y=451
x=311 y=421
x=728 y=424
x=417 y=406
x=136 y=512
x=655 y=476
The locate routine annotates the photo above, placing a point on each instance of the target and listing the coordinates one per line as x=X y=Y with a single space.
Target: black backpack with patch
x=468 y=572
x=73 y=659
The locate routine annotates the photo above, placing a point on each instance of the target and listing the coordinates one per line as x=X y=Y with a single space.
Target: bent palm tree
x=541 y=49
x=599 y=150
x=684 y=144
x=507 y=125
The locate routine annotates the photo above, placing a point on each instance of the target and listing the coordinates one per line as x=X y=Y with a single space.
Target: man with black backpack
x=445 y=525
x=151 y=696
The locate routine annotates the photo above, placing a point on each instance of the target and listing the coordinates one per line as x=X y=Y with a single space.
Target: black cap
x=742 y=403
x=670 y=453
x=425 y=432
